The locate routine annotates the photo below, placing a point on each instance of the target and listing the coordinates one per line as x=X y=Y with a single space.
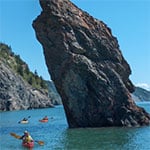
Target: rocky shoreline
x=16 y=94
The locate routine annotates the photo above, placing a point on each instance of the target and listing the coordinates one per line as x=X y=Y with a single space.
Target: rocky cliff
x=53 y=94
x=141 y=94
x=15 y=92
x=87 y=67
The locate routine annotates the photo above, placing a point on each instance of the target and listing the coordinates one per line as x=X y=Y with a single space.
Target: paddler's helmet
x=26 y=132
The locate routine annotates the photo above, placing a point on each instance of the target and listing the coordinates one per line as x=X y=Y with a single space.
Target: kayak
x=44 y=120
x=24 y=121
x=28 y=145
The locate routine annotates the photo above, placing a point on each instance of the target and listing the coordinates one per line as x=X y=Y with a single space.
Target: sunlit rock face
x=87 y=67
x=17 y=94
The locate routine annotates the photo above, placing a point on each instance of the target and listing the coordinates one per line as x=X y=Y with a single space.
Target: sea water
x=57 y=136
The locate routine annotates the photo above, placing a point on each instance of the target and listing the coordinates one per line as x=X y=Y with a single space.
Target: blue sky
x=128 y=19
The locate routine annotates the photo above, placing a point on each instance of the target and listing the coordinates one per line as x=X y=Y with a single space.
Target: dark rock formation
x=87 y=67
x=16 y=94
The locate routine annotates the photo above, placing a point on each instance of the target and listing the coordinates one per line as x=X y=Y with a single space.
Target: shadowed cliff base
x=87 y=67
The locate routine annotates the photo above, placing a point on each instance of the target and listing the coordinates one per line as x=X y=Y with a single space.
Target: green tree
x=20 y=70
x=30 y=80
x=43 y=83
x=35 y=72
x=27 y=71
x=18 y=59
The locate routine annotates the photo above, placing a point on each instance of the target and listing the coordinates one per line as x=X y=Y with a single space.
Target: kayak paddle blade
x=15 y=135
x=40 y=142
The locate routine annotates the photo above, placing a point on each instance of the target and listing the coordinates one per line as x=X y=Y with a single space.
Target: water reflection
x=104 y=139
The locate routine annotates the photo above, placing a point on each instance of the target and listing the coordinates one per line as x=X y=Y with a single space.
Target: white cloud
x=143 y=85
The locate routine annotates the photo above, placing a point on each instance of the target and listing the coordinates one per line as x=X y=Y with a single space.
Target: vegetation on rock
x=20 y=67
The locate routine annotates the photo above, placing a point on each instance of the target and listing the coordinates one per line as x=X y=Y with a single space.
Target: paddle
x=40 y=142
x=18 y=137
x=15 y=135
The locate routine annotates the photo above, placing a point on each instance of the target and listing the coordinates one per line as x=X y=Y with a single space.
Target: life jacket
x=27 y=139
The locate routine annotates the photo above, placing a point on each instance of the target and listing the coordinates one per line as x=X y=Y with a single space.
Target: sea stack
x=87 y=67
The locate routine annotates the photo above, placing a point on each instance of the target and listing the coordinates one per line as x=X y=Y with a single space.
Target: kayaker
x=26 y=137
x=45 y=118
x=24 y=119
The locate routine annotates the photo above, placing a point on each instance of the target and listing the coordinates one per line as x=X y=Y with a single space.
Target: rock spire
x=87 y=67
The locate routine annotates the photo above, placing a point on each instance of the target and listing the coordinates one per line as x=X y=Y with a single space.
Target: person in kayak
x=24 y=119
x=26 y=138
x=45 y=118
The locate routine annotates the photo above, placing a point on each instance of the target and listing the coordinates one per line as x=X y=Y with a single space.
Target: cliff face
x=141 y=94
x=19 y=87
x=16 y=94
x=52 y=92
x=87 y=67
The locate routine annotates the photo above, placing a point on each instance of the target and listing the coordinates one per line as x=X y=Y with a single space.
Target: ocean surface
x=57 y=136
